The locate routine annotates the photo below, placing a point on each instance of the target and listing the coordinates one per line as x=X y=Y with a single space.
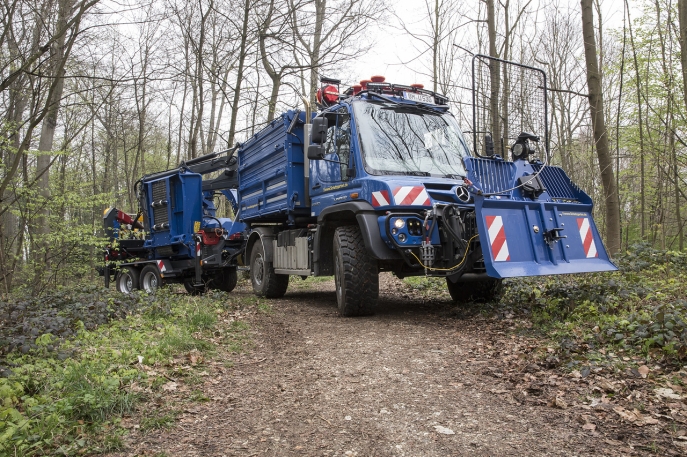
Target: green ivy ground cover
x=636 y=313
x=641 y=310
x=66 y=384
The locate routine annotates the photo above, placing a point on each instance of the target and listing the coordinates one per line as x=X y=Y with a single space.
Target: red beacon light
x=330 y=94
x=363 y=83
x=357 y=88
x=417 y=86
x=377 y=79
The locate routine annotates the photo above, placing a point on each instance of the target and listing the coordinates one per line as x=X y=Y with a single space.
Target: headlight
x=399 y=223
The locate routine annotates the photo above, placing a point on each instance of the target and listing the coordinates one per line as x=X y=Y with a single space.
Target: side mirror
x=316 y=152
x=318 y=131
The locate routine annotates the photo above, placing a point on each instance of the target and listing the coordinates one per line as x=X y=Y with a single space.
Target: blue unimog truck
x=381 y=178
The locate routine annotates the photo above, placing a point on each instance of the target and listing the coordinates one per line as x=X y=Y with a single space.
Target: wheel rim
x=126 y=283
x=259 y=267
x=150 y=282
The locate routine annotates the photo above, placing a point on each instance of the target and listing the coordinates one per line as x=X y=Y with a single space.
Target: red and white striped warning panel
x=411 y=196
x=587 y=237
x=380 y=198
x=497 y=239
x=161 y=266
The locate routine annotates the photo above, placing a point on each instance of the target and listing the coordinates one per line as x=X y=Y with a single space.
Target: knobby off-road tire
x=225 y=280
x=150 y=280
x=127 y=280
x=477 y=291
x=355 y=274
x=266 y=283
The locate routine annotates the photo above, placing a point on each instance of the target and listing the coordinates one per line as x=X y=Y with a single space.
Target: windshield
x=409 y=140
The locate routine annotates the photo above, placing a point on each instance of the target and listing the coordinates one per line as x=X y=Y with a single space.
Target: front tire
x=266 y=283
x=356 y=275
x=477 y=291
x=127 y=280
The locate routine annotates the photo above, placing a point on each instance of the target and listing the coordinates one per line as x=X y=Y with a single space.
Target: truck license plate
x=422 y=98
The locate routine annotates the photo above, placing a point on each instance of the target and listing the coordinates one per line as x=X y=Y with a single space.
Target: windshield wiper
x=421 y=108
x=383 y=97
x=453 y=176
x=406 y=173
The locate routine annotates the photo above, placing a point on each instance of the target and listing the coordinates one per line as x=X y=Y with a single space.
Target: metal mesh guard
x=508 y=98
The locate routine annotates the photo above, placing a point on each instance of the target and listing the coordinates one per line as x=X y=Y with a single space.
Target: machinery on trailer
x=176 y=236
x=381 y=178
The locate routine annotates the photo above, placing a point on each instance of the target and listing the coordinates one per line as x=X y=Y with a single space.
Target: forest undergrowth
x=76 y=361
x=611 y=320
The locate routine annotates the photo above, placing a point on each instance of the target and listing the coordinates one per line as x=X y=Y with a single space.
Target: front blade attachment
x=530 y=238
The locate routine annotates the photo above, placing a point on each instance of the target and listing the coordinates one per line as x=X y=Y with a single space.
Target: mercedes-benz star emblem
x=463 y=194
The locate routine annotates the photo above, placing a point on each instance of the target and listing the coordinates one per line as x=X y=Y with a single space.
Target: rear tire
x=127 y=280
x=225 y=280
x=150 y=280
x=356 y=275
x=477 y=291
x=266 y=283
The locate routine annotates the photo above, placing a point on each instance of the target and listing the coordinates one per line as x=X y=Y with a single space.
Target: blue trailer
x=176 y=235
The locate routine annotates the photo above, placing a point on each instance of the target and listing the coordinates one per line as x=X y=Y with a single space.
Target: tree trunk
x=596 y=105
x=320 y=8
x=50 y=120
x=638 y=86
x=495 y=80
x=239 y=74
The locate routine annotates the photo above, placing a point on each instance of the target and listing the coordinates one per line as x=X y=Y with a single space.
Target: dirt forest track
x=420 y=378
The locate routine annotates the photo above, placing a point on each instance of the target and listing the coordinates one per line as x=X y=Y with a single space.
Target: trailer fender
x=266 y=234
x=364 y=215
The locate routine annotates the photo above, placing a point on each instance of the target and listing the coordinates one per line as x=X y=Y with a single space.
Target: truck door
x=330 y=178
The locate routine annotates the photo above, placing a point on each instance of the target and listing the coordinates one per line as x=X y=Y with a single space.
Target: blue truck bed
x=271 y=171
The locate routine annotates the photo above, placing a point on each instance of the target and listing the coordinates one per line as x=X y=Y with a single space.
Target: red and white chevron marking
x=587 y=237
x=198 y=249
x=161 y=266
x=411 y=196
x=497 y=239
x=380 y=198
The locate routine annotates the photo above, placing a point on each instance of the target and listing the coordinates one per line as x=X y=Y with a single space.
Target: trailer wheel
x=127 y=280
x=150 y=279
x=266 y=283
x=226 y=279
x=355 y=274
x=479 y=291
x=194 y=290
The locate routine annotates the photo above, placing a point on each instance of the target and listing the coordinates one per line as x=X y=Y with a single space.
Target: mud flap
x=530 y=238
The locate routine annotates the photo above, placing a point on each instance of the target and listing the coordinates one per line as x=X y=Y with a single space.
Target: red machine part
x=211 y=237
